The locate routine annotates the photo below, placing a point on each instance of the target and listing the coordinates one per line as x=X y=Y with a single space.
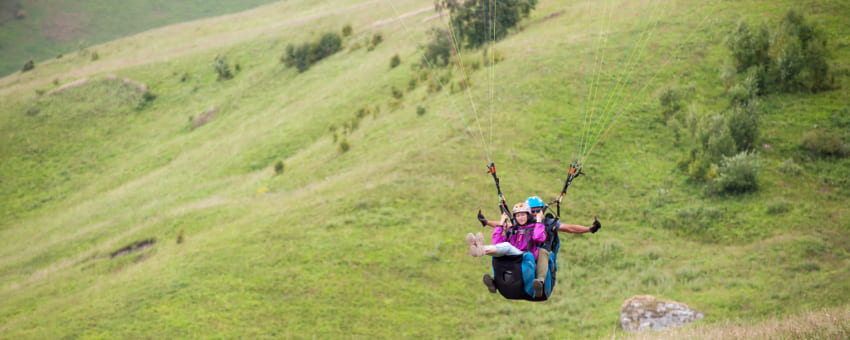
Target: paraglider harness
x=513 y=274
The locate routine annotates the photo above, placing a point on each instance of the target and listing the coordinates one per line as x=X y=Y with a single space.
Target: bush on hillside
x=823 y=143
x=395 y=61
x=344 y=146
x=469 y=18
x=738 y=174
x=346 y=30
x=789 y=57
x=749 y=46
x=438 y=51
x=789 y=167
x=670 y=100
x=420 y=110
x=743 y=122
x=303 y=56
x=222 y=68
x=279 y=166
x=397 y=94
x=29 y=65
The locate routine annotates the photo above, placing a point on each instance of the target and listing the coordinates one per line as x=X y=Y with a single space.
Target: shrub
x=743 y=122
x=439 y=50
x=395 y=61
x=420 y=110
x=715 y=137
x=184 y=77
x=670 y=102
x=823 y=143
x=94 y=56
x=397 y=94
x=346 y=30
x=377 y=38
x=306 y=54
x=180 y=237
x=328 y=44
x=344 y=146
x=778 y=206
x=749 y=48
x=145 y=99
x=59 y=56
x=411 y=84
x=738 y=174
x=789 y=167
x=222 y=68
x=33 y=110
x=29 y=65
x=469 y=18
x=279 y=166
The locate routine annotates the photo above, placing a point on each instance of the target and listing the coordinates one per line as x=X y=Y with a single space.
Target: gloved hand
x=482 y=219
x=596 y=226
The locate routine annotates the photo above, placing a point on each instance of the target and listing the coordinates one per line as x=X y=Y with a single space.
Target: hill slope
x=99 y=183
x=40 y=30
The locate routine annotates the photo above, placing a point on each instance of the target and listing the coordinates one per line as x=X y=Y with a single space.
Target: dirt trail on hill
x=189 y=46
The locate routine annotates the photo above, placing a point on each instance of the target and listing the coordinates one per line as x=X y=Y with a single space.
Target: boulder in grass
x=645 y=312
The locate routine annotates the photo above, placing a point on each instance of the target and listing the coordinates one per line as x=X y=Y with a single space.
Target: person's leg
x=542 y=269
x=501 y=249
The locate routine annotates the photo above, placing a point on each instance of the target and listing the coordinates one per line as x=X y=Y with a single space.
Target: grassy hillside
x=41 y=30
x=369 y=242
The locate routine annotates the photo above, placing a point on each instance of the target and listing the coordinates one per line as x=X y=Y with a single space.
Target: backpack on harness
x=513 y=274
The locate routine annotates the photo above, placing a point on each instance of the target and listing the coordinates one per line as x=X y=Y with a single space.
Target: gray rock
x=645 y=312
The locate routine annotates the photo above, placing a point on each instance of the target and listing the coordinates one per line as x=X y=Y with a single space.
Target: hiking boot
x=479 y=239
x=488 y=281
x=538 y=287
x=470 y=242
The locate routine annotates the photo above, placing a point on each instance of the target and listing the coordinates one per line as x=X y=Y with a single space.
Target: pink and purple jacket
x=538 y=236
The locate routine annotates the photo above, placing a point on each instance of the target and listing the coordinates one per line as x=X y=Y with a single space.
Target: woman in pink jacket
x=527 y=236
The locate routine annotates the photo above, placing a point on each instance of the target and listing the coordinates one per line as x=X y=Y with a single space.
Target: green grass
x=47 y=30
x=369 y=242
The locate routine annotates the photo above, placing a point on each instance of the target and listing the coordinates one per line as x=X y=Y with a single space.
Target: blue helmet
x=534 y=202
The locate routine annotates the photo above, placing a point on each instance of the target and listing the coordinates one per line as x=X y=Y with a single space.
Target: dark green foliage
x=344 y=146
x=377 y=38
x=743 y=122
x=395 y=61
x=438 y=51
x=823 y=143
x=146 y=98
x=670 y=101
x=346 y=30
x=180 y=237
x=469 y=19
x=420 y=110
x=306 y=54
x=778 y=206
x=749 y=48
x=328 y=44
x=279 y=166
x=787 y=58
x=411 y=84
x=94 y=56
x=33 y=110
x=29 y=65
x=738 y=174
x=222 y=68
x=397 y=94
